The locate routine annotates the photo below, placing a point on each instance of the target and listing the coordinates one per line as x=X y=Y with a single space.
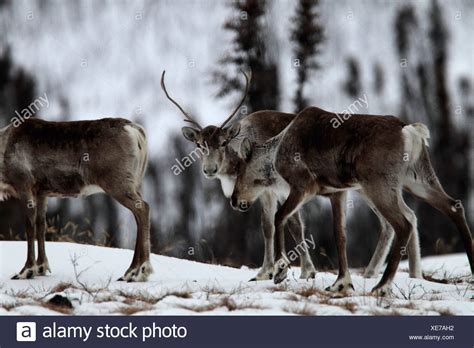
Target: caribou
x=222 y=162
x=41 y=159
x=380 y=156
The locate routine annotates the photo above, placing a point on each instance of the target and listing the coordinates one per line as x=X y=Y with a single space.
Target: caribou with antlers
x=41 y=159
x=378 y=155
x=223 y=163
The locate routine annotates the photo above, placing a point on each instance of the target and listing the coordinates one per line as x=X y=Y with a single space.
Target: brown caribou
x=378 y=155
x=221 y=161
x=41 y=159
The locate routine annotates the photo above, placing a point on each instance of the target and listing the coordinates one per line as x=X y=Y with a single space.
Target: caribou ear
x=190 y=133
x=232 y=131
x=246 y=149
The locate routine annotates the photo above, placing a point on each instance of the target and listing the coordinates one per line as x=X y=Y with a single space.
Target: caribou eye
x=224 y=143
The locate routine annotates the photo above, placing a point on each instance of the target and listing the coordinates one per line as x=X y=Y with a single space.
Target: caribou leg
x=297 y=230
x=269 y=206
x=29 y=270
x=390 y=203
x=42 y=261
x=343 y=282
x=140 y=267
x=291 y=205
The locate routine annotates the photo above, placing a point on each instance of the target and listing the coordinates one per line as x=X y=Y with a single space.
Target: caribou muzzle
x=210 y=171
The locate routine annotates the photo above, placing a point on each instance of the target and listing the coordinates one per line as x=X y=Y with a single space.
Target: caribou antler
x=188 y=117
x=247 y=87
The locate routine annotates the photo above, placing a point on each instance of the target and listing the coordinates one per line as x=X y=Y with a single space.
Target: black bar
x=239 y=331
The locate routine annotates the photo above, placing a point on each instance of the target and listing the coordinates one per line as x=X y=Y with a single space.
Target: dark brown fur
x=365 y=152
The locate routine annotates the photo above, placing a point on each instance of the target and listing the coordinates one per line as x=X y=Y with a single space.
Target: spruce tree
x=249 y=53
x=352 y=86
x=452 y=145
x=307 y=35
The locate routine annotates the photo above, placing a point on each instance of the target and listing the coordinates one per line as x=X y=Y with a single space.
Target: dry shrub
x=350 y=306
x=447 y=280
x=311 y=291
x=8 y=306
x=59 y=309
x=292 y=297
x=61 y=286
x=445 y=312
x=142 y=296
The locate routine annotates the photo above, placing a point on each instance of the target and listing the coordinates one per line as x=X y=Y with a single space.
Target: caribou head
x=256 y=175
x=213 y=138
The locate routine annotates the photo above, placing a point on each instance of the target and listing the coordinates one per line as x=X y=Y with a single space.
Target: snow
x=183 y=287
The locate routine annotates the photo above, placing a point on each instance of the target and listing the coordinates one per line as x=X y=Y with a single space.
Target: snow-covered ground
x=181 y=287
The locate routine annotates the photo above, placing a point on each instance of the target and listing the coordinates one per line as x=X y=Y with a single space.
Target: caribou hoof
x=26 y=273
x=309 y=273
x=138 y=274
x=382 y=290
x=265 y=273
x=342 y=285
x=43 y=268
x=280 y=272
